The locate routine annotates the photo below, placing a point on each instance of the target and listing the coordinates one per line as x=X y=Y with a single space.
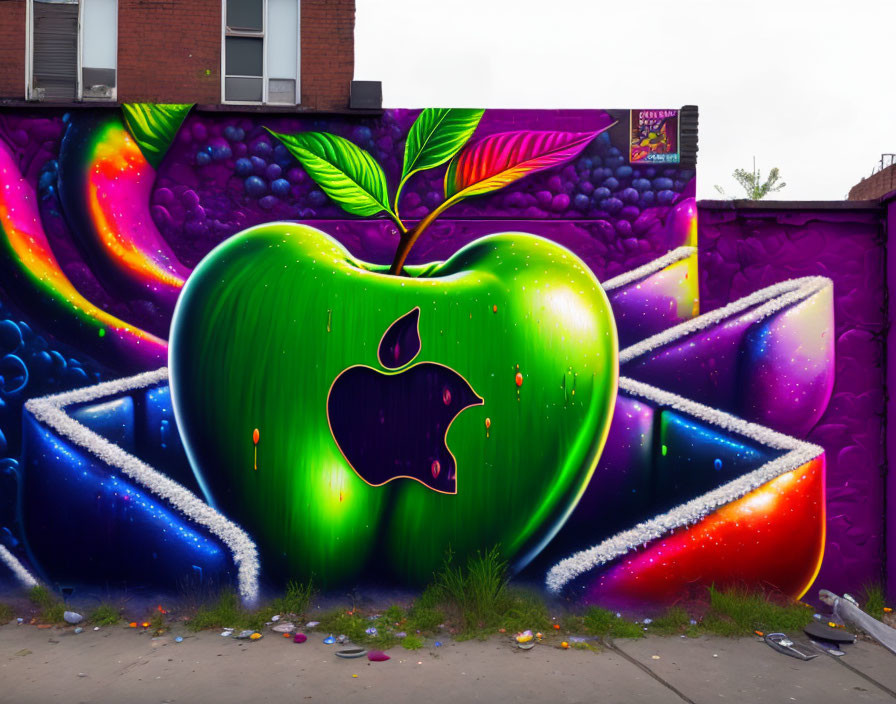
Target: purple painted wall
x=744 y=246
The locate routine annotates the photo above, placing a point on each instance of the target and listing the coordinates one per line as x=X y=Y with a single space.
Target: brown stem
x=409 y=238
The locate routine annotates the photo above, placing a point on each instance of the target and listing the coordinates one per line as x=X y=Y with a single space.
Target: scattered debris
x=524 y=637
x=23 y=652
x=226 y=633
x=821 y=631
x=284 y=627
x=564 y=645
x=848 y=611
x=275 y=618
x=72 y=617
x=179 y=639
x=79 y=630
x=299 y=638
x=312 y=624
x=654 y=657
x=82 y=674
x=826 y=647
x=245 y=635
x=351 y=653
x=438 y=644
x=96 y=628
x=526 y=646
x=20 y=620
x=783 y=644
x=329 y=640
x=256 y=636
x=371 y=631
x=377 y=656
x=340 y=639
x=401 y=634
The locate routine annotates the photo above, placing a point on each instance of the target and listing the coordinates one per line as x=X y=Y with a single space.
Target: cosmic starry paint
x=612 y=440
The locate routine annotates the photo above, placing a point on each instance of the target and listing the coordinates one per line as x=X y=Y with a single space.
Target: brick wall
x=169 y=51
x=875 y=186
x=328 y=53
x=12 y=48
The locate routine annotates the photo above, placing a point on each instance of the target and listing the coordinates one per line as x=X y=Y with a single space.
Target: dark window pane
x=245 y=14
x=55 y=68
x=244 y=56
x=247 y=90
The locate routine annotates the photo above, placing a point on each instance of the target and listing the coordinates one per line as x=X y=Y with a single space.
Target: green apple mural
x=358 y=418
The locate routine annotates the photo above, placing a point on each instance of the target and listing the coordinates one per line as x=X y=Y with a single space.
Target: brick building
x=881 y=182
x=296 y=54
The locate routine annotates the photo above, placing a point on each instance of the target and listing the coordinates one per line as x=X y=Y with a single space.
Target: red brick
x=170 y=52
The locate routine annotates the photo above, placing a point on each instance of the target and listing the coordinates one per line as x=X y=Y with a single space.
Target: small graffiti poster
x=654 y=136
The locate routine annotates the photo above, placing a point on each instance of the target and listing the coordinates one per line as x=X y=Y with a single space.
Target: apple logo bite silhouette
x=391 y=425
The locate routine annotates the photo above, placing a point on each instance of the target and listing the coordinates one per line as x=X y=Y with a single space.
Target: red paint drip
x=435 y=469
x=519 y=379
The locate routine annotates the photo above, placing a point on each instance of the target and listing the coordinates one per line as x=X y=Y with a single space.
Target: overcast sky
x=805 y=85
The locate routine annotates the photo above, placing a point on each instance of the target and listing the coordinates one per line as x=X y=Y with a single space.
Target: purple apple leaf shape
x=401 y=343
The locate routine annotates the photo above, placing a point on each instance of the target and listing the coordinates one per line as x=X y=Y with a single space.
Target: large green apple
x=271 y=318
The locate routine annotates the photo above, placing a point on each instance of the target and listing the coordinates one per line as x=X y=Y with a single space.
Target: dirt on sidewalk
x=117 y=664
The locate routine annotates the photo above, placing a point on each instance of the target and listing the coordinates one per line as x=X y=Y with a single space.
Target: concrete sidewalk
x=118 y=664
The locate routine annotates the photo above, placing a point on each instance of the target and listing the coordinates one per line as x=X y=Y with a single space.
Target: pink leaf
x=501 y=159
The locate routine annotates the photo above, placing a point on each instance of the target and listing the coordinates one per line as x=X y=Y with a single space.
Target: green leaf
x=436 y=136
x=153 y=126
x=345 y=172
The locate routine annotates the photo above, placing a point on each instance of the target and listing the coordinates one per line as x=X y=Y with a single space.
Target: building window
x=72 y=50
x=261 y=52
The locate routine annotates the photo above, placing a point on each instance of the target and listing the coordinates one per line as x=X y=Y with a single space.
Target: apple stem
x=409 y=238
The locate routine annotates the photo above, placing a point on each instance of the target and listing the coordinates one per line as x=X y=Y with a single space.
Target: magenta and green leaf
x=153 y=126
x=436 y=135
x=344 y=171
x=500 y=159
x=494 y=162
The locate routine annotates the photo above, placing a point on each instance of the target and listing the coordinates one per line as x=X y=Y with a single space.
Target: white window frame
x=225 y=32
x=79 y=78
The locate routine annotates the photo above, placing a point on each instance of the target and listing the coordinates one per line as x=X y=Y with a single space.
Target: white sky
x=805 y=85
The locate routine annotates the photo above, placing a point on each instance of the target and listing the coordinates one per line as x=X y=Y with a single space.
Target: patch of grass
x=600 y=622
x=736 y=611
x=412 y=642
x=51 y=608
x=675 y=621
x=523 y=610
x=873 y=601
x=157 y=623
x=225 y=612
x=6 y=613
x=354 y=625
x=296 y=600
x=424 y=619
x=477 y=592
x=395 y=614
x=104 y=615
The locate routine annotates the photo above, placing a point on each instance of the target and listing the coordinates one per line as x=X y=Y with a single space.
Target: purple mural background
x=614 y=215
x=744 y=246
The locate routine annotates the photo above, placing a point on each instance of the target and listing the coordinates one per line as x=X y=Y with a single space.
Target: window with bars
x=72 y=50
x=261 y=52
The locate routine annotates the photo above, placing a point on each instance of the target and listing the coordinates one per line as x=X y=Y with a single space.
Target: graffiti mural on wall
x=243 y=349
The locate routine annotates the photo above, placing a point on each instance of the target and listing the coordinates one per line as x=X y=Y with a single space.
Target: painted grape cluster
x=218 y=162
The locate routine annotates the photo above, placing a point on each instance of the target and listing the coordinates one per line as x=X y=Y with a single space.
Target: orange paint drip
x=255 y=436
